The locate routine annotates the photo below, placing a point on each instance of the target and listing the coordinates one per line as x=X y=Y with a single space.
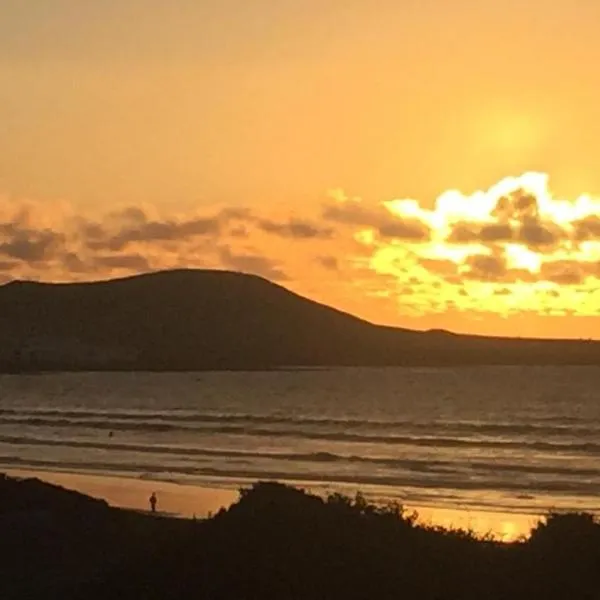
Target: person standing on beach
x=153 y=501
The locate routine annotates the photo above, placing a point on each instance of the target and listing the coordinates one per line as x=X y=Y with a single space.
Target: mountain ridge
x=192 y=319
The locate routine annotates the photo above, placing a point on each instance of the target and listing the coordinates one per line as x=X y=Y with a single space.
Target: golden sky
x=423 y=164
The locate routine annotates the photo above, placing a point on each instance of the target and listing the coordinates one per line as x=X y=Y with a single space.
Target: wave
x=182 y=474
x=547 y=426
x=592 y=448
x=415 y=465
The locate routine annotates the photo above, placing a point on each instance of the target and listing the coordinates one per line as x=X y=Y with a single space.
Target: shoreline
x=199 y=369
x=174 y=499
x=190 y=500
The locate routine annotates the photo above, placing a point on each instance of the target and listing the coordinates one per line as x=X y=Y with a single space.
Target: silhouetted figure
x=153 y=501
x=110 y=434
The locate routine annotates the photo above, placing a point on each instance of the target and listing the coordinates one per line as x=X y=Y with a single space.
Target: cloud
x=74 y=265
x=253 y=264
x=587 y=228
x=570 y=272
x=331 y=263
x=518 y=204
x=500 y=232
x=296 y=229
x=463 y=233
x=145 y=230
x=29 y=245
x=537 y=235
x=482 y=266
x=404 y=230
x=511 y=248
x=137 y=239
x=8 y=265
x=530 y=233
x=133 y=226
x=542 y=252
x=381 y=220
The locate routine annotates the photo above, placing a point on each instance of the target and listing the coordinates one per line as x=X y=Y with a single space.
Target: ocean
x=510 y=439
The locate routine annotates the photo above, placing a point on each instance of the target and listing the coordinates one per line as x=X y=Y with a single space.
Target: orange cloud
x=512 y=249
x=542 y=252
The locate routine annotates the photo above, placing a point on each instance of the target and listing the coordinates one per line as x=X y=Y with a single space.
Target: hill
x=199 y=319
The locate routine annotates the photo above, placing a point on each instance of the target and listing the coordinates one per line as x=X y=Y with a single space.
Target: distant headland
x=194 y=320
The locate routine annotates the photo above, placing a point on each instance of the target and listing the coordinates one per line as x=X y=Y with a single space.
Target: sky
x=428 y=164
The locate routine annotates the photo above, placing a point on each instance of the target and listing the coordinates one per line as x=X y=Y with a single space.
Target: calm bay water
x=500 y=438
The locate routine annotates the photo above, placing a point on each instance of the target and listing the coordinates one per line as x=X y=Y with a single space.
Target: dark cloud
x=485 y=266
x=525 y=204
x=566 y=277
x=462 y=233
x=132 y=225
x=531 y=233
x=537 y=235
x=518 y=205
x=493 y=268
x=296 y=229
x=349 y=213
x=404 y=230
x=92 y=231
x=93 y=246
x=518 y=220
x=329 y=262
x=588 y=228
x=8 y=265
x=496 y=233
x=568 y=272
x=384 y=222
x=74 y=263
x=252 y=263
x=29 y=245
x=159 y=231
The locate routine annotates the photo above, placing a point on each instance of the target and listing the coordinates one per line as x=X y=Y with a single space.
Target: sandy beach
x=188 y=501
x=123 y=492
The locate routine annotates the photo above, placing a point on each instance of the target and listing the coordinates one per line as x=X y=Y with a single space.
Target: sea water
x=521 y=439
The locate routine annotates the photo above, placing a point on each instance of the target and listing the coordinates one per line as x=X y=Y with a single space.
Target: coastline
x=192 y=500
x=174 y=499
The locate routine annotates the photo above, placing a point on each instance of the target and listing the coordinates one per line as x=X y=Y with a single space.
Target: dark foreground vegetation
x=279 y=543
x=190 y=320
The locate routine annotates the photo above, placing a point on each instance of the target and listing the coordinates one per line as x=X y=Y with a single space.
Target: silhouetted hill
x=198 y=319
x=19 y=495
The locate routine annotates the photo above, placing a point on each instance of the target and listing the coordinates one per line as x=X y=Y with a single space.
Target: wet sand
x=124 y=492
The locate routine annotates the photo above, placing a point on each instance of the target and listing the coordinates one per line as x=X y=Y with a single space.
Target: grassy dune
x=279 y=542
